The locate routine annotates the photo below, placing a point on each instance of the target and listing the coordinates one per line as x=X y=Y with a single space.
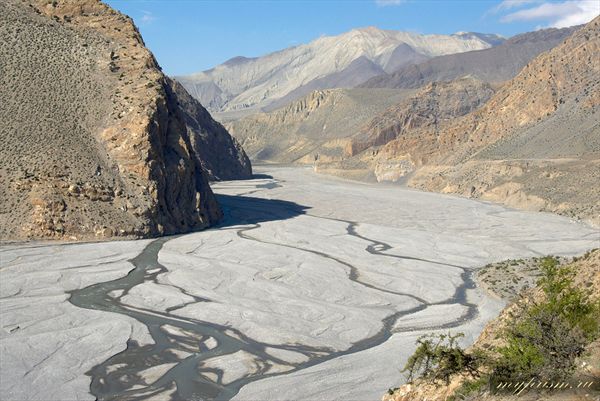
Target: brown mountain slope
x=534 y=145
x=430 y=108
x=93 y=141
x=563 y=80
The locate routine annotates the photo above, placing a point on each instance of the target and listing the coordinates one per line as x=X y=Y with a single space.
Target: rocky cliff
x=431 y=106
x=316 y=126
x=94 y=143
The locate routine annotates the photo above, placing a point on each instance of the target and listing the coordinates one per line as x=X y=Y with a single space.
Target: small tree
x=439 y=357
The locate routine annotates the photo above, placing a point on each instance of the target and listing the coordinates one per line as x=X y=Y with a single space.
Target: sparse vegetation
x=509 y=278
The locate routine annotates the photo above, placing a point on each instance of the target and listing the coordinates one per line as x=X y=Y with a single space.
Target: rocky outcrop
x=431 y=106
x=94 y=143
x=428 y=109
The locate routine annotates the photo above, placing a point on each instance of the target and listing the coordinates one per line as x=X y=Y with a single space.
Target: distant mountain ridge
x=444 y=90
x=344 y=60
x=496 y=64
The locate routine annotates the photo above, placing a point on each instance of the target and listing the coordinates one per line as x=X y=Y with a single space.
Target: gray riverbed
x=312 y=287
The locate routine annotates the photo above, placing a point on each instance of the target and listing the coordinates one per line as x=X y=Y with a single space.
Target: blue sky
x=193 y=35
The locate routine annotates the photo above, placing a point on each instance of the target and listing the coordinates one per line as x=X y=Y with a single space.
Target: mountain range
x=496 y=64
x=243 y=85
x=515 y=123
x=270 y=132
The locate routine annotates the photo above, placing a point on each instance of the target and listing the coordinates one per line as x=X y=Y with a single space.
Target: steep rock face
x=541 y=130
x=497 y=64
x=244 y=83
x=94 y=144
x=318 y=126
x=221 y=156
x=430 y=108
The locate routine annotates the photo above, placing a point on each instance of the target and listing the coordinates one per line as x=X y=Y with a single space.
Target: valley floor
x=312 y=288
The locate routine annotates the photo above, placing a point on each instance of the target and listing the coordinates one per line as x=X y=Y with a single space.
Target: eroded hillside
x=317 y=126
x=535 y=145
x=431 y=107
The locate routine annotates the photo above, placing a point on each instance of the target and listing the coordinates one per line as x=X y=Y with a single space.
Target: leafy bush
x=439 y=357
x=545 y=337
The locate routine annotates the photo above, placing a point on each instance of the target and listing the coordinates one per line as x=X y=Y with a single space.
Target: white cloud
x=506 y=5
x=510 y=4
x=385 y=3
x=147 y=18
x=557 y=14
